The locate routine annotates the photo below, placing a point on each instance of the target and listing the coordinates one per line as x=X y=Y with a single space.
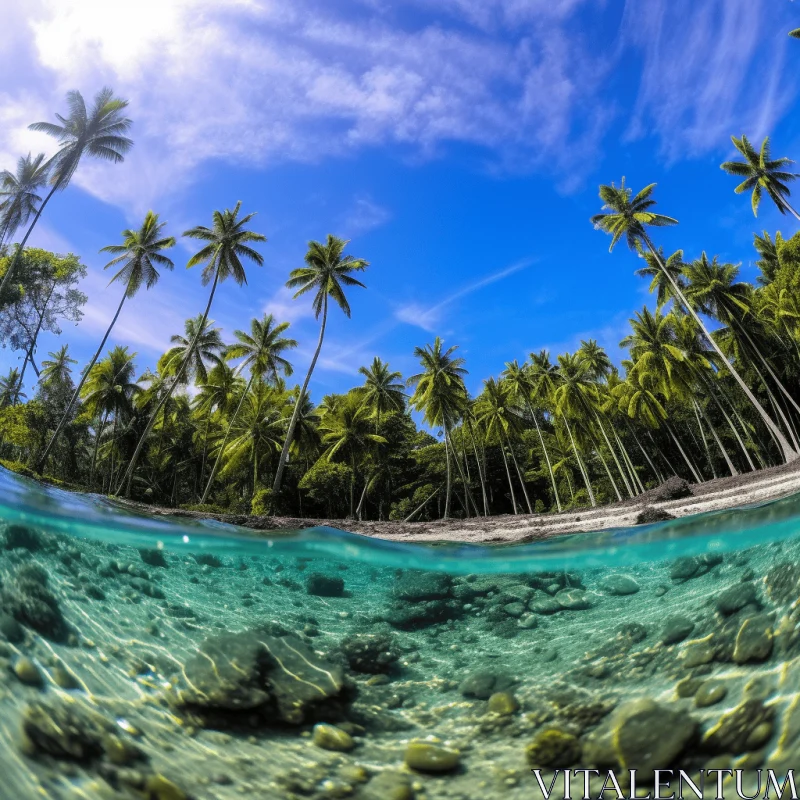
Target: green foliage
x=327 y=484
x=261 y=503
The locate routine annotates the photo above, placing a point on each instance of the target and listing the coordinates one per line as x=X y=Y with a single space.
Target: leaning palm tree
x=228 y=242
x=761 y=174
x=200 y=346
x=795 y=34
x=261 y=350
x=660 y=283
x=328 y=270
x=18 y=193
x=138 y=255
x=768 y=258
x=629 y=216
x=97 y=132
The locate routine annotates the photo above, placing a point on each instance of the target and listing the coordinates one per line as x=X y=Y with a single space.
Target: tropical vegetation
x=707 y=384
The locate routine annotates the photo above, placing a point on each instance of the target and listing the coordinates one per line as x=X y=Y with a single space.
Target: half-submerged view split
x=354 y=444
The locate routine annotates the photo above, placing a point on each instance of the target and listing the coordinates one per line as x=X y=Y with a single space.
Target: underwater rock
x=650 y=514
x=208 y=560
x=544 y=605
x=418 y=586
x=153 y=557
x=65 y=729
x=370 y=653
x=329 y=737
x=746 y=727
x=482 y=685
x=710 y=693
x=422 y=614
x=676 y=629
x=646 y=735
x=735 y=598
x=673 y=488
x=503 y=703
x=324 y=585
x=553 y=749
x=388 y=785
x=31 y=603
x=27 y=672
x=11 y=629
x=515 y=609
x=782 y=583
x=688 y=567
x=21 y=536
x=754 y=640
x=429 y=757
x=572 y=599
x=279 y=677
x=619 y=585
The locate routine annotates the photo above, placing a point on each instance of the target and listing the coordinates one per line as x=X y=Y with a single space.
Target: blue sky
x=459 y=144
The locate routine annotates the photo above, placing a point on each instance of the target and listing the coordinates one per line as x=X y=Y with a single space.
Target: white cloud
x=285 y=308
x=429 y=318
x=363 y=216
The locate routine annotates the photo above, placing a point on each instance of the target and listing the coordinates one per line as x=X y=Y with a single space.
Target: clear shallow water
x=143 y=657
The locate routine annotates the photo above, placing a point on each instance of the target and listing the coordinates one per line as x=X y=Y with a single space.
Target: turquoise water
x=153 y=658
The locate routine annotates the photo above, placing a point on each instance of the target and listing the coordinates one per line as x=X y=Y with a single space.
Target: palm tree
x=97 y=132
x=11 y=388
x=19 y=193
x=660 y=283
x=328 y=270
x=228 y=242
x=258 y=429
x=440 y=394
x=139 y=254
x=497 y=414
x=261 y=350
x=57 y=369
x=382 y=392
x=629 y=217
x=348 y=431
x=761 y=174
x=109 y=389
x=795 y=34
x=200 y=346
x=768 y=260
x=521 y=385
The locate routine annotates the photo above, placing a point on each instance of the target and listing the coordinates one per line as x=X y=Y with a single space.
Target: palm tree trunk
x=689 y=464
x=728 y=460
x=638 y=486
x=113 y=445
x=18 y=254
x=128 y=476
x=705 y=442
x=712 y=391
x=467 y=494
x=581 y=465
x=84 y=375
x=361 y=499
x=546 y=456
x=480 y=471
x=608 y=472
x=225 y=440
x=35 y=337
x=508 y=474
x=789 y=453
x=422 y=504
x=255 y=468
x=276 y=486
x=656 y=471
x=520 y=476
x=447 y=491
x=96 y=446
x=614 y=456
x=790 y=210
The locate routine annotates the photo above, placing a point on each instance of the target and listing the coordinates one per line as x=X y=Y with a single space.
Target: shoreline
x=715 y=495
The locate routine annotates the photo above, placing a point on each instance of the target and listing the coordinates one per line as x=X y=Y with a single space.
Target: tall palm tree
x=18 y=193
x=109 y=389
x=382 y=391
x=630 y=216
x=138 y=255
x=97 y=132
x=497 y=414
x=768 y=260
x=57 y=368
x=521 y=385
x=327 y=271
x=660 y=283
x=201 y=346
x=261 y=350
x=11 y=388
x=795 y=34
x=227 y=243
x=440 y=394
x=762 y=173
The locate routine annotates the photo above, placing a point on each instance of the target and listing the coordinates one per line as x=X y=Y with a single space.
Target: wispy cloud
x=363 y=216
x=429 y=317
x=285 y=308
